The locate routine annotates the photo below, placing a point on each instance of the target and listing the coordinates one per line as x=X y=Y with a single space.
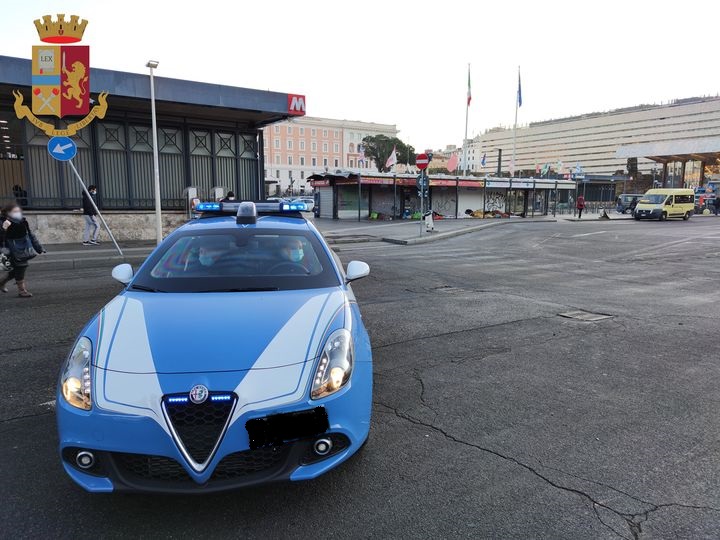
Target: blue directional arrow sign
x=62 y=148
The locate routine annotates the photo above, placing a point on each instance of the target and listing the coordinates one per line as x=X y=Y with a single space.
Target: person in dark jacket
x=580 y=205
x=17 y=241
x=230 y=197
x=92 y=226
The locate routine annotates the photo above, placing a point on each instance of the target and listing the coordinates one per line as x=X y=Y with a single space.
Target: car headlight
x=75 y=379
x=335 y=365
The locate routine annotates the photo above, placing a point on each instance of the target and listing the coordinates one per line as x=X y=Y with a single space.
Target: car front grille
x=199 y=426
x=151 y=467
x=248 y=462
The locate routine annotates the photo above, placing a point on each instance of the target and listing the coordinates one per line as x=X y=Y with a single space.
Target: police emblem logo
x=198 y=394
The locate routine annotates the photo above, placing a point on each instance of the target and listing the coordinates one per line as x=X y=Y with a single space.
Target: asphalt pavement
x=494 y=416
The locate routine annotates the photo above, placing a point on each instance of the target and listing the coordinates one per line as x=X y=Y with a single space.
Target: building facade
x=592 y=140
x=296 y=148
x=209 y=139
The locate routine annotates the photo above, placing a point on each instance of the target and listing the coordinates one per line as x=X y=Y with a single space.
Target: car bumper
x=136 y=453
x=648 y=214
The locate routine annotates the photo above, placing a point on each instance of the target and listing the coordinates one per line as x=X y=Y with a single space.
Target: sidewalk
x=71 y=256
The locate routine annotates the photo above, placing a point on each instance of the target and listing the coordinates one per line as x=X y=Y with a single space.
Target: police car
x=236 y=355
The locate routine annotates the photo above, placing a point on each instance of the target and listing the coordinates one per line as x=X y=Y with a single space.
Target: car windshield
x=238 y=261
x=653 y=199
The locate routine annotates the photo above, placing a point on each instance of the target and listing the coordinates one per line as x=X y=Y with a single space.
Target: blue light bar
x=177 y=400
x=208 y=207
x=221 y=397
x=294 y=207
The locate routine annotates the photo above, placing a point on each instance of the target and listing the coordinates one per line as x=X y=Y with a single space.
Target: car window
x=653 y=199
x=242 y=260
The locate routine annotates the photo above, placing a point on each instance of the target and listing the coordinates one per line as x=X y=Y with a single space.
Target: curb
x=84 y=263
x=431 y=237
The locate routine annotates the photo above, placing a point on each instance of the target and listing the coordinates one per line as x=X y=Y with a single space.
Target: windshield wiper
x=245 y=289
x=144 y=288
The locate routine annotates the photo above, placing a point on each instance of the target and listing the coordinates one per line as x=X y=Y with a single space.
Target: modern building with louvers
x=592 y=140
x=210 y=137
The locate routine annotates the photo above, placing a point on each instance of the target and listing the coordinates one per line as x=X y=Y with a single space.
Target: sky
x=405 y=62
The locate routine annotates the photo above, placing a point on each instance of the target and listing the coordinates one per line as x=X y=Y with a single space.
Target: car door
x=670 y=206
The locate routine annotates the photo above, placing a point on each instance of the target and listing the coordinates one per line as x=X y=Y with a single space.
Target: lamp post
x=153 y=64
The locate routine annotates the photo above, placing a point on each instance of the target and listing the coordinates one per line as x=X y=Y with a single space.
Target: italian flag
x=469 y=97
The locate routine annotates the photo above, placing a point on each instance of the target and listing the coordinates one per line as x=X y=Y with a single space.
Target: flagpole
x=467 y=110
x=512 y=173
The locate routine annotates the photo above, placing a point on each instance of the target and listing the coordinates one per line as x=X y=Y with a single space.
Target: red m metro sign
x=296 y=105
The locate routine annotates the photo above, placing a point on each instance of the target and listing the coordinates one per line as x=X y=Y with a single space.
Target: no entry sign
x=422 y=160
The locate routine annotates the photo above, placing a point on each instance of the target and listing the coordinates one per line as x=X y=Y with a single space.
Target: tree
x=379 y=147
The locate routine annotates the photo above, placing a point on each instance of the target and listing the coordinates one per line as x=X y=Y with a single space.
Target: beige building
x=296 y=148
x=592 y=140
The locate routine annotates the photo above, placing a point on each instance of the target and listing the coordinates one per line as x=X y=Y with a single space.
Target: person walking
x=717 y=204
x=92 y=226
x=19 y=243
x=580 y=205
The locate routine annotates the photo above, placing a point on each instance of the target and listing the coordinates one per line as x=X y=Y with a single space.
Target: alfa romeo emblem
x=198 y=394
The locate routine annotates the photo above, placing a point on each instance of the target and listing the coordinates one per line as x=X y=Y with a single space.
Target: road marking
x=50 y=404
x=587 y=234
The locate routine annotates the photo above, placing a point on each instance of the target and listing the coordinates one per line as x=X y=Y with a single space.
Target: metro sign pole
x=422 y=161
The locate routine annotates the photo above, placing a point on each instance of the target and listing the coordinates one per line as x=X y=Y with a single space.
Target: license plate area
x=278 y=429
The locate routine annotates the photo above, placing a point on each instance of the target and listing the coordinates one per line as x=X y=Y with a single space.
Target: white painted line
x=587 y=234
x=50 y=404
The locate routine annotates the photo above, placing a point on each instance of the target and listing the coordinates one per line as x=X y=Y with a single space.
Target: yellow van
x=666 y=203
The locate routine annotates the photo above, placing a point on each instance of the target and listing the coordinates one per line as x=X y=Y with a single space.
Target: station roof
x=705 y=149
x=128 y=91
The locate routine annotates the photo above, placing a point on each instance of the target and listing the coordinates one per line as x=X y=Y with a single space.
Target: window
x=290 y=176
x=302 y=145
x=277 y=129
x=313 y=162
x=325 y=133
x=336 y=148
x=302 y=160
x=352 y=162
x=277 y=159
x=289 y=160
x=313 y=146
x=302 y=131
x=238 y=260
x=337 y=163
x=289 y=131
x=325 y=147
x=313 y=132
x=325 y=162
x=302 y=175
x=276 y=144
x=289 y=144
x=277 y=174
x=351 y=148
x=335 y=133
x=684 y=199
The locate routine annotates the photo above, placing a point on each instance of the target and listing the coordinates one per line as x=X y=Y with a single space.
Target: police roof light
x=246 y=214
x=208 y=207
x=294 y=207
x=260 y=207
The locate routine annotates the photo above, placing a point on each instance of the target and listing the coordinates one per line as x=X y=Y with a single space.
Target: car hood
x=143 y=332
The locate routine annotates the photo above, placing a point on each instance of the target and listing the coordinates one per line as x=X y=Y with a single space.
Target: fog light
x=322 y=447
x=85 y=459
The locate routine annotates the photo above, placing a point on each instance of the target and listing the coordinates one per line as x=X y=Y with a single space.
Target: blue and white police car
x=235 y=356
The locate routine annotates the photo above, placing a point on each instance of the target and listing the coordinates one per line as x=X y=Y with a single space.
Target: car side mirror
x=123 y=273
x=356 y=270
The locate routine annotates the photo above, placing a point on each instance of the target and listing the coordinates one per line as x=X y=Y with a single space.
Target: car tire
x=686 y=216
x=637 y=218
x=663 y=216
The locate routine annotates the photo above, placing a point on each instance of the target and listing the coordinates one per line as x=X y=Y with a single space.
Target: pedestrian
x=92 y=225
x=19 y=244
x=229 y=197
x=580 y=205
x=633 y=205
x=717 y=204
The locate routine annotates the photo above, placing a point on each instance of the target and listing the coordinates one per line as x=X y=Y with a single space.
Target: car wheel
x=663 y=216
x=686 y=216
x=637 y=218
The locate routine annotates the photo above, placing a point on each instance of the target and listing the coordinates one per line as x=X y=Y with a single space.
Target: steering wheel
x=291 y=266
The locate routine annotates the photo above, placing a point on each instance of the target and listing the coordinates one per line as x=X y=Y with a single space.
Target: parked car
x=309 y=202
x=236 y=355
x=625 y=200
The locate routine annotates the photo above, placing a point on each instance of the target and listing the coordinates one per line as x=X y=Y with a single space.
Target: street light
x=153 y=64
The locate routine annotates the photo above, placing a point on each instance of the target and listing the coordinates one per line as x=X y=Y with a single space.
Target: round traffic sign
x=421 y=160
x=62 y=148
